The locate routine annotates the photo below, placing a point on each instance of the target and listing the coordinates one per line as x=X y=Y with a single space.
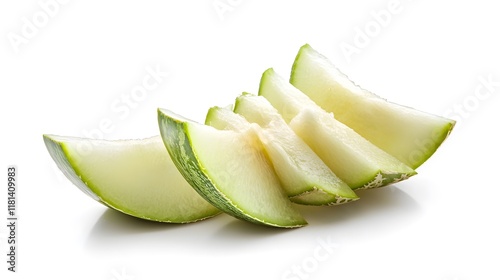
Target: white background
x=65 y=77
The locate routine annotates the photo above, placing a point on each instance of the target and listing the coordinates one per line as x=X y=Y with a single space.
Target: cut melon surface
x=409 y=135
x=223 y=118
x=298 y=167
x=229 y=169
x=352 y=158
x=300 y=171
x=355 y=160
x=136 y=177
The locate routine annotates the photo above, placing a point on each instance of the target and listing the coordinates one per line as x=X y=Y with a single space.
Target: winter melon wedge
x=136 y=177
x=409 y=135
x=229 y=169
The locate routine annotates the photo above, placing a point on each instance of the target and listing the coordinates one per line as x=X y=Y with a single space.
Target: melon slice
x=229 y=169
x=409 y=135
x=136 y=177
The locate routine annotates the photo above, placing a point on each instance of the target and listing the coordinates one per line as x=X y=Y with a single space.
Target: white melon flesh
x=296 y=164
x=136 y=177
x=299 y=169
x=229 y=169
x=352 y=158
x=355 y=160
x=409 y=135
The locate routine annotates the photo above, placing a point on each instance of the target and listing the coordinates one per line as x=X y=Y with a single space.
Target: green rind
x=305 y=48
x=213 y=119
x=382 y=179
x=61 y=158
x=175 y=134
x=287 y=111
x=415 y=156
x=320 y=198
x=59 y=153
x=436 y=139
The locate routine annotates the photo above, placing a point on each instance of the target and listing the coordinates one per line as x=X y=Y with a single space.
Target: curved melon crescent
x=229 y=169
x=136 y=177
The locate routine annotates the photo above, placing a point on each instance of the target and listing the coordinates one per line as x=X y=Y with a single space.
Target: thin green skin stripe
x=58 y=152
x=387 y=179
x=60 y=156
x=175 y=134
x=296 y=61
x=444 y=133
x=324 y=200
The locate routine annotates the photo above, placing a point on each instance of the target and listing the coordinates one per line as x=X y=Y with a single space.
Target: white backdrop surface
x=73 y=68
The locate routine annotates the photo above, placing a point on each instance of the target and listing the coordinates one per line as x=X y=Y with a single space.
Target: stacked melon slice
x=313 y=141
